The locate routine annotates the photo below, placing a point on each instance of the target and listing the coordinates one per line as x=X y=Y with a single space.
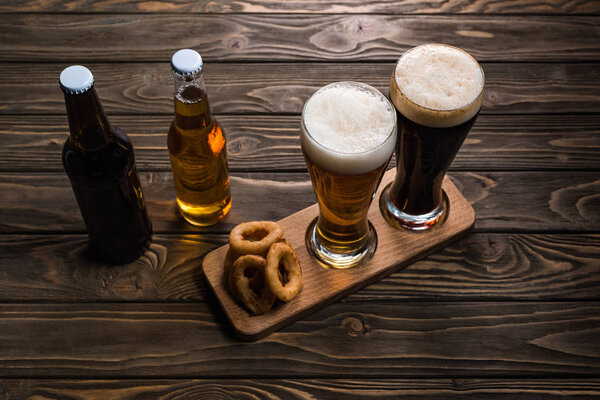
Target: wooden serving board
x=322 y=286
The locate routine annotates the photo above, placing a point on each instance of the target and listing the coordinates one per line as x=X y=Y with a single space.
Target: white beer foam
x=437 y=85
x=348 y=128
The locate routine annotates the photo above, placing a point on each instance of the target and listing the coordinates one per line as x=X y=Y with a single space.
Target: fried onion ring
x=287 y=284
x=254 y=237
x=248 y=279
x=230 y=258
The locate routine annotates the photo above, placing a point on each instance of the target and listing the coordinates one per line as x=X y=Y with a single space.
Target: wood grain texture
x=45 y=202
x=304 y=6
x=347 y=339
x=480 y=267
x=60 y=268
x=291 y=389
x=246 y=88
x=396 y=249
x=466 y=324
x=271 y=143
x=77 y=38
x=503 y=201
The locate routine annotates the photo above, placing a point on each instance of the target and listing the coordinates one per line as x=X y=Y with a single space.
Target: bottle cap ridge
x=186 y=61
x=76 y=79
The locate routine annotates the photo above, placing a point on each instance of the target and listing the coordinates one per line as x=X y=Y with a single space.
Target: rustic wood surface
x=508 y=312
x=354 y=339
x=305 y=7
x=482 y=266
x=270 y=142
x=298 y=389
x=503 y=201
x=282 y=88
x=279 y=37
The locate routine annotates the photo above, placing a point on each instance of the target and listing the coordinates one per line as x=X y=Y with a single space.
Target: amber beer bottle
x=100 y=163
x=197 y=146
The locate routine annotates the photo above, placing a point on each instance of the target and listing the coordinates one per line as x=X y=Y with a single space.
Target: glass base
x=332 y=259
x=399 y=219
x=204 y=215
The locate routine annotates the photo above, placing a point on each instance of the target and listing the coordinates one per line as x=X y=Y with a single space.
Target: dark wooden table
x=512 y=310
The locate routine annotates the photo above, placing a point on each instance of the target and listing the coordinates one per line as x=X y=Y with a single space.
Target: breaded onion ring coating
x=230 y=258
x=287 y=285
x=254 y=237
x=248 y=279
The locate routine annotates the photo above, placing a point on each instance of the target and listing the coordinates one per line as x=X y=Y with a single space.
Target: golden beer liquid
x=344 y=202
x=198 y=159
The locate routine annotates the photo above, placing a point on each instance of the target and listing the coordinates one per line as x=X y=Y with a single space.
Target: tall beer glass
x=348 y=136
x=437 y=91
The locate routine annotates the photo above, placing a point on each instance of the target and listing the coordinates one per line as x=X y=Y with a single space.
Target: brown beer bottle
x=197 y=146
x=100 y=163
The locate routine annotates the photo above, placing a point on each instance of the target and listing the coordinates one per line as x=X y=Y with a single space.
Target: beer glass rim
x=439 y=110
x=389 y=135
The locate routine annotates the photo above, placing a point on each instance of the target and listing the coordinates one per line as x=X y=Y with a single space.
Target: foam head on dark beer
x=348 y=128
x=437 y=85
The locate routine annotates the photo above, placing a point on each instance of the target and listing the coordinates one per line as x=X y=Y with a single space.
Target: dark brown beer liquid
x=424 y=155
x=100 y=164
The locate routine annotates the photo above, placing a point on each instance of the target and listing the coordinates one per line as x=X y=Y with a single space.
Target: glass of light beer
x=437 y=91
x=348 y=136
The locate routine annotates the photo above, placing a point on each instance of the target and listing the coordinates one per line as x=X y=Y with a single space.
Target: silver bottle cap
x=76 y=79
x=186 y=62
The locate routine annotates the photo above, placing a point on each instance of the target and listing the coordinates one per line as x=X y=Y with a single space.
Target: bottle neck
x=88 y=124
x=192 y=109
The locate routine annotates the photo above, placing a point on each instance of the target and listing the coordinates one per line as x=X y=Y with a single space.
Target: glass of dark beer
x=437 y=91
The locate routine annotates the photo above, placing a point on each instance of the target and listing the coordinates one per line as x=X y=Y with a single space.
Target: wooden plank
x=533 y=201
x=147 y=88
x=290 y=389
x=321 y=7
x=347 y=339
x=270 y=142
x=481 y=267
x=59 y=268
x=45 y=202
x=503 y=201
x=149 y=37
x=283 y=88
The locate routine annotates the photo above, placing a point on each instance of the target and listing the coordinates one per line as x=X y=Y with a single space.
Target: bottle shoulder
x=110 y=162
x=121 y=137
